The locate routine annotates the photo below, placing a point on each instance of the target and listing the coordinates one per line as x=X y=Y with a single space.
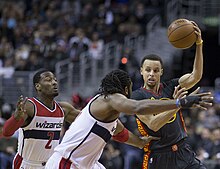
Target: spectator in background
x=78 y=44
x=215 y=151
x=96 y=46
x=8 y=145
x=204 y=144
x=112 y=157
x=7 y=151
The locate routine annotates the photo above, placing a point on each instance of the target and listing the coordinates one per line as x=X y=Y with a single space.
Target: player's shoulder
x=64 y=104
x=171 y=82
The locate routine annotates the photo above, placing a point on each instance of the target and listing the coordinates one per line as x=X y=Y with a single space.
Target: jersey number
x=51 y=135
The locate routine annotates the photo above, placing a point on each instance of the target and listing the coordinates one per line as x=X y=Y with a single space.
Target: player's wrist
x=178 y=104
x=199 y=42
x=17 y=116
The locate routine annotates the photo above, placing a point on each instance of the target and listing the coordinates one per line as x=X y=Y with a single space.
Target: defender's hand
x=201 y=100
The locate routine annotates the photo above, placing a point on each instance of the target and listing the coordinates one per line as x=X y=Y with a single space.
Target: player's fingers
x=207 y=98
x=197 y=29
x=199 y=107
x=194 y=23
x=203 y=94
x=181 y=93
x=206 y=104
x=24 y=101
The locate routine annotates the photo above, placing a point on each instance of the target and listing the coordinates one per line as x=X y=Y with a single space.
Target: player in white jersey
x=84 y=141
x=39 y=121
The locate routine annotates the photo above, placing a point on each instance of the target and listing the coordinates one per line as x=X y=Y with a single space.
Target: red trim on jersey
x=183 y=122
x=17 y=161
x=66 y=164
x=44 y=111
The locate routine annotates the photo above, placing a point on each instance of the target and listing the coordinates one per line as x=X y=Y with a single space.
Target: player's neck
x=47 y=101
x=154 y=89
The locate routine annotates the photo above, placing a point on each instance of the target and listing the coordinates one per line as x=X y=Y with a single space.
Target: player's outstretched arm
x=129 y=106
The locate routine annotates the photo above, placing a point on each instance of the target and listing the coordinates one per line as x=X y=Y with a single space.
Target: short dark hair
x=115 y=82
x=152 y=57
x=37 y=75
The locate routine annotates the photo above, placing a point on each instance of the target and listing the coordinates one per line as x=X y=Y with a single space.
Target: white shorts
x=26 y=164
x=54 y=162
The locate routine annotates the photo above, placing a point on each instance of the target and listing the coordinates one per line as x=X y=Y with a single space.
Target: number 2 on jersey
x=51 y=135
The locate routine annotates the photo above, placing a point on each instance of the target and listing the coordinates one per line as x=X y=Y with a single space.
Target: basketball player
x=84 y=141
x=171 y=151
x=39 y=121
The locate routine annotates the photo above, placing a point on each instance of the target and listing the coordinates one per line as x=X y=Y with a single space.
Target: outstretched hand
x=206 y=99
x=20 y=110
x=201 y=100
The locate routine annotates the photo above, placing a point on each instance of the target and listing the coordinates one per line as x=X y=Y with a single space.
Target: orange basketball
x=181 y=33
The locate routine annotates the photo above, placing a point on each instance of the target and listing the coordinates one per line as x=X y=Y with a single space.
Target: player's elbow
x=197 y=77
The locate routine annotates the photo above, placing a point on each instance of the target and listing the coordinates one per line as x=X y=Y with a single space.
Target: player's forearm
x=160 y=120
x=198 y=63
x=156 y=106
x=161 y=106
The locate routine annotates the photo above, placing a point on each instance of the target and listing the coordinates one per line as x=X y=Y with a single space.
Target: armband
x=200 y=42
x=122 y=137
x=178 y=103
x=11 y=125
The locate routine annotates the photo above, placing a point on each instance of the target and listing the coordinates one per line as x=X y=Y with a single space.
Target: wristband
x=122 y=137
x=200 y=42
x=11 y=125
x=178 y=103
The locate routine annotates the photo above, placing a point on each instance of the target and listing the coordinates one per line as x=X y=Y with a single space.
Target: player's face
x=151 y=71
x=48 y=84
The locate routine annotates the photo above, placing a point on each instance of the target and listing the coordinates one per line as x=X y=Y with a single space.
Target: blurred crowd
x=37 y=34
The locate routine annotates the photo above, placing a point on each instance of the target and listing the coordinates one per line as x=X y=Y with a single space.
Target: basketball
x=181 y=34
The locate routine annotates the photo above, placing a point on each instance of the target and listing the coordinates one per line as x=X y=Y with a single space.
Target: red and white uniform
x=83 y=143
x=37 y=140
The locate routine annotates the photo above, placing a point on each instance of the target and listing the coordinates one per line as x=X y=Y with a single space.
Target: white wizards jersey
x=86 y=138
x=37 y=140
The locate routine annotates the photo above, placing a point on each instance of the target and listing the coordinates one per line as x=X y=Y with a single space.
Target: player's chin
x=151 y=84
x=55 y=94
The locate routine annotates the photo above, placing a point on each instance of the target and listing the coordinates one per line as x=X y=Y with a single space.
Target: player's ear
x=126 y=90
x=161 y=72
x=141 y=69
x=37 y=86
